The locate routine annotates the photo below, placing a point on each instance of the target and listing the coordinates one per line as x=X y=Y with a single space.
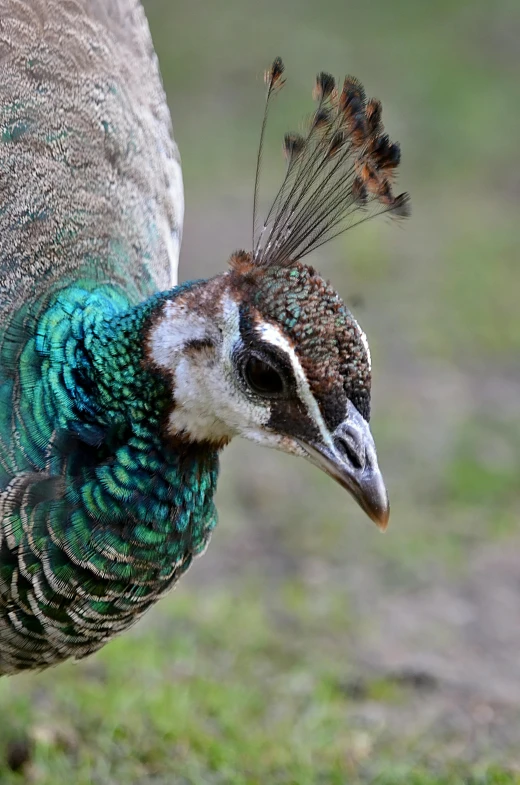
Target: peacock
x=120 y=388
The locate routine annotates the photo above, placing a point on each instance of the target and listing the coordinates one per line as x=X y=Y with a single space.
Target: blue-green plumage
x=100 y=501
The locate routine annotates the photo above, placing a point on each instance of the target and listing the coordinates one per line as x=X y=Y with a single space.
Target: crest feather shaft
x=339 y=172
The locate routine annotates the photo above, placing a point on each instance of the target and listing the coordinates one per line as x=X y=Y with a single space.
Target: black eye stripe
x=274 y=356
x=253 y=360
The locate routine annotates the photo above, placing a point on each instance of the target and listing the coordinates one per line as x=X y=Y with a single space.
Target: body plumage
x=118 y=388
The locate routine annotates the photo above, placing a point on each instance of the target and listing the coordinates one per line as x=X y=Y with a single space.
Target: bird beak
x=350 y=459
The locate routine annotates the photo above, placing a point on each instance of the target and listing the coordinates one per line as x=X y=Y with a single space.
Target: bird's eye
x=262 y=378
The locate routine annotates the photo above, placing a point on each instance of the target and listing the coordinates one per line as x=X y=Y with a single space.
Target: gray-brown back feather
x=90 y=179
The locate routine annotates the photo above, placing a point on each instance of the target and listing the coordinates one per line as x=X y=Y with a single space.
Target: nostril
x=352 y=453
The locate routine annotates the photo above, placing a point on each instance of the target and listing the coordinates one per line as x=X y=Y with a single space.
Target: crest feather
x=339 y=173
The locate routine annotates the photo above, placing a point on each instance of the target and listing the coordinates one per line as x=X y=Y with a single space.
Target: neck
x=127 y=387
x=142 y=505
x=103 y=513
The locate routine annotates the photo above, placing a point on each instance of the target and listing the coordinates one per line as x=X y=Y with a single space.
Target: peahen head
x=268 y=350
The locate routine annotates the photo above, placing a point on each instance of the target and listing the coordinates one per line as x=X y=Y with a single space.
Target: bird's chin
x=275 y=441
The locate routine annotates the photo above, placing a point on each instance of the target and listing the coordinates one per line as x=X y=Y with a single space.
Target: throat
x=156 y=504
x=138 y=505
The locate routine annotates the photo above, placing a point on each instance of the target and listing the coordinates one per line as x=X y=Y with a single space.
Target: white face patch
x=177 y=326
x=209 y=404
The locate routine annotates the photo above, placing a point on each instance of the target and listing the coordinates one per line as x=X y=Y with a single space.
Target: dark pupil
x=262 y=378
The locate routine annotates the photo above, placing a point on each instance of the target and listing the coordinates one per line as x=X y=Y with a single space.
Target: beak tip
x=377 y=507
x=378 y=510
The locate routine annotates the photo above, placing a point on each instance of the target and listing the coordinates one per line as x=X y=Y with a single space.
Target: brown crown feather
x=338 y=174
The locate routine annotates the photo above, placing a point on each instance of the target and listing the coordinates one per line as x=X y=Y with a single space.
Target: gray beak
x=352 y=461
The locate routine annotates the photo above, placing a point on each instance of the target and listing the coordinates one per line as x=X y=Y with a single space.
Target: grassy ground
x=226 y=689
x=304 y=647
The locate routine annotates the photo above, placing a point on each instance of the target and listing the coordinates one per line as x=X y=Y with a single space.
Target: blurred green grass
x=280 y=658
x=229 y=692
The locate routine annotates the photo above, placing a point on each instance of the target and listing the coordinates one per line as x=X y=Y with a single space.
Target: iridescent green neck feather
x=116 y=513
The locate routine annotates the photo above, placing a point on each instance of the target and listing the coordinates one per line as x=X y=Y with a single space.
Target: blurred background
x=305 y=647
